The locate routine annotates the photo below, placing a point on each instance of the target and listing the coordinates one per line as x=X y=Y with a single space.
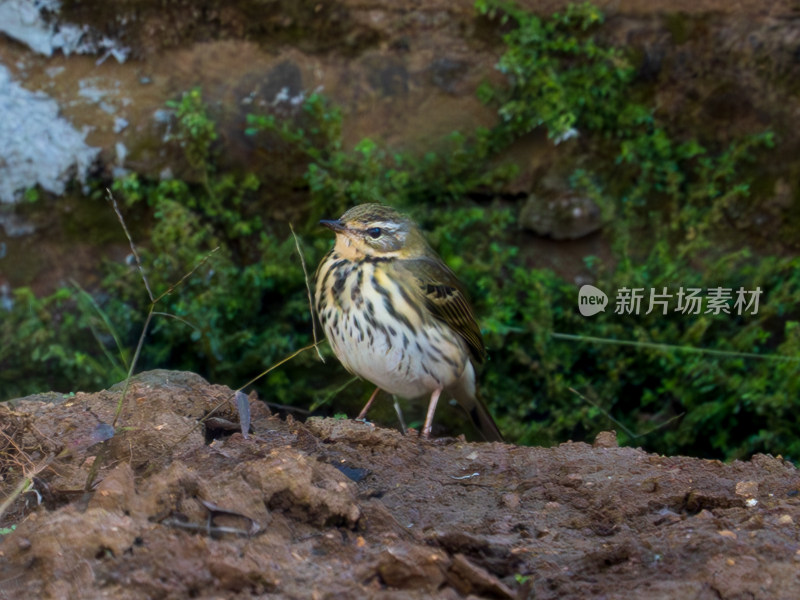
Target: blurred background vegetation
x=667 y=202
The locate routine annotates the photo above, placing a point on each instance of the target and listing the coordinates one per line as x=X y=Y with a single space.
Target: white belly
x=396 y=365
x=371 y=343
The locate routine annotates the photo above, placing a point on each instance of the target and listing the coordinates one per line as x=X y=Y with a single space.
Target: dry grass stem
x=310 y=295
x=630 y=433
x=130 y=242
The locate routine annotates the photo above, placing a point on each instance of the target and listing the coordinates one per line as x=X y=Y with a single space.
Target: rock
x=409 y=566
x=61 y=541
x=116 y=492
x=605 y=439
x=447 y=73
x=306 y=489
x=748 y=489
x=468 y=578
x=564 y=216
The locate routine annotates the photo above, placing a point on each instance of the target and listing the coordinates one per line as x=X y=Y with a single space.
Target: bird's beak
x=336 y=225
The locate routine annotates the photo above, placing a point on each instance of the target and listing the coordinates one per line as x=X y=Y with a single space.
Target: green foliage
x=667 y=200
x=56 y=342
x=31 y=195
x=196 y=131
x=242 y=314
x=338 y=178
x=560 y=77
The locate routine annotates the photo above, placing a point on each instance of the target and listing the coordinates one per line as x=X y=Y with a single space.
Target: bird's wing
x=445 y=299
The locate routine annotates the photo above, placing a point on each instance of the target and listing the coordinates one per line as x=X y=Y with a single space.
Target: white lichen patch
x=37 y=145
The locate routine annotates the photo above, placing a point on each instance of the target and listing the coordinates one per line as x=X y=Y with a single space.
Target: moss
x=679 y=26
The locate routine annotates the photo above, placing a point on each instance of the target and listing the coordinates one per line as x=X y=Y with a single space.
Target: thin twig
x=672 y=347
x=257 y=377
x=177 y=318
x=317 y=403
x=177 y=284
x=619 y=424
x=100 y=458
x=150 y=314
x=310 y=296
x=130 y=241
x=20 y=489
x=16 y=447
x=23 y=486
x=134 y=360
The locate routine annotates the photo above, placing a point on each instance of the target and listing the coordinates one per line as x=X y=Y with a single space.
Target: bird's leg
x=363 y=414
x=426 y=430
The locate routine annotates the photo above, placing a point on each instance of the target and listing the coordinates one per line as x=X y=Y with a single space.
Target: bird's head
x=376 y=231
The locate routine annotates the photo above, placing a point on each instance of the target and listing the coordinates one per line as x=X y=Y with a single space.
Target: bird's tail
x=472 y=402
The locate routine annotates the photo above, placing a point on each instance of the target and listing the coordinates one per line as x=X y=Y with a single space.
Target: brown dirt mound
x=339 y=509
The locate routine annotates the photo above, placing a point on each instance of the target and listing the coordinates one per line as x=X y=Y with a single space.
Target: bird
x=396 y=315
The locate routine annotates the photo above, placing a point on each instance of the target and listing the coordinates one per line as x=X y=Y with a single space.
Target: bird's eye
x=374 y=232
